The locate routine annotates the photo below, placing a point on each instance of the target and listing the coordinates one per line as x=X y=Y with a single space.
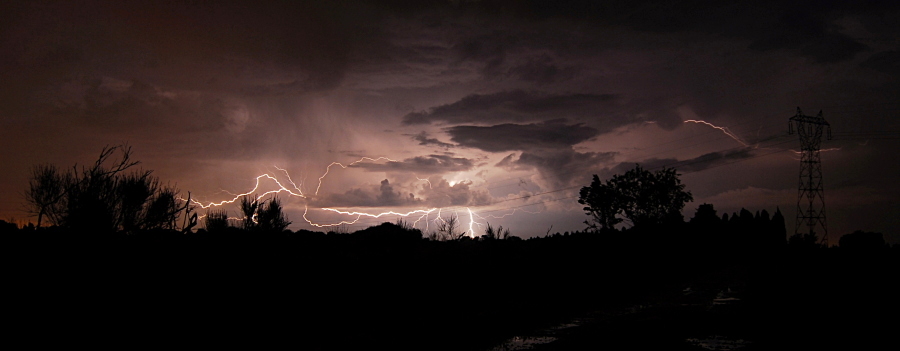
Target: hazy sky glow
x=494 y=108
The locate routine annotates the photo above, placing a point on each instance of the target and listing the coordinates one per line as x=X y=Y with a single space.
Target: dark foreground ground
x=318 y=295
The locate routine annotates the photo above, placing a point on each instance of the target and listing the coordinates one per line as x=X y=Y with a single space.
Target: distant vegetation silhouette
x=447 y=289
x=107 y=197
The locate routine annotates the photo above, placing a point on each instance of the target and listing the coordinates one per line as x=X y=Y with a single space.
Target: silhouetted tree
x=8 y=228
x=145 y=204
x=860 y=240
x=216 y=221
x=270 y=217
x=602 y=205
x=267 y=216
x=804 y=241
x=495 y=234
x=706 y=215
x=778 y=229
x=46 y=188
x=249 y=207
x=642 y=197
x=448 y=229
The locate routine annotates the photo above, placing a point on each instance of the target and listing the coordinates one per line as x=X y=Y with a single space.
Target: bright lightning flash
x=291 y=188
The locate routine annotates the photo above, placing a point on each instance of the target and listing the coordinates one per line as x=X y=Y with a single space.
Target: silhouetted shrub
x=103 y=198
x=860 y=240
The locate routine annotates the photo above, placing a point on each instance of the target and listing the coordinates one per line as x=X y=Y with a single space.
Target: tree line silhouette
x=122 y=248
x=112 y=197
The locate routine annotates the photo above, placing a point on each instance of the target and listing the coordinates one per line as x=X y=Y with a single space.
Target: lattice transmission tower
x=811 y=190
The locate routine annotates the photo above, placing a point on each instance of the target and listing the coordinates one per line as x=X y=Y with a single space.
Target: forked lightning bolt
x=422 y=215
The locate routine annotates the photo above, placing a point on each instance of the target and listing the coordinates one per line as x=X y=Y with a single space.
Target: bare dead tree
x=495 y=234
x=448 y=229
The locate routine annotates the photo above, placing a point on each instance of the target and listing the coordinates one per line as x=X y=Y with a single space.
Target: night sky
x=484 y=109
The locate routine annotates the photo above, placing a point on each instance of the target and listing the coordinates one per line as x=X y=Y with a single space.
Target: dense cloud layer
x=212 y=94
x=512 y=106
x=553 y=134
x=425 y=165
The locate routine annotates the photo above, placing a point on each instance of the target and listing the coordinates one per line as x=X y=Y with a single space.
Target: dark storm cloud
x=554 y=134
x=696 y=164
x=557 y=167
x=487 y=48
x=138 y=106
x=423 y=139
x=431 y=164
x=885 y=62
x=543 y=70
x=805 y=28
x=263 y=49
x=809 y=35
x=512 y=106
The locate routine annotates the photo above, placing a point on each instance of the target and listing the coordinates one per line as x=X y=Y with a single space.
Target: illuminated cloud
x=438 y=192
x=442 y=194
x=213 y=94
x=423 y=139
x=695 y=164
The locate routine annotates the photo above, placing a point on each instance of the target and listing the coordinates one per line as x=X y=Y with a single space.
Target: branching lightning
x=292 y=188
x=281 y=188
x=328 y=169
x=364 y=214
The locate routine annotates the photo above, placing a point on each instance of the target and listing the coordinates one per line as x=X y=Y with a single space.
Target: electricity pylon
x=811 y=191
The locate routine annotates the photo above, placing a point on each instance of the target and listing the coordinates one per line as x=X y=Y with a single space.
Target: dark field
x=337 y=292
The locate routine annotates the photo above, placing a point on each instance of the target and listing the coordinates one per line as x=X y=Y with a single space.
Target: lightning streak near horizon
x=282 y=188
x=293 y=189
